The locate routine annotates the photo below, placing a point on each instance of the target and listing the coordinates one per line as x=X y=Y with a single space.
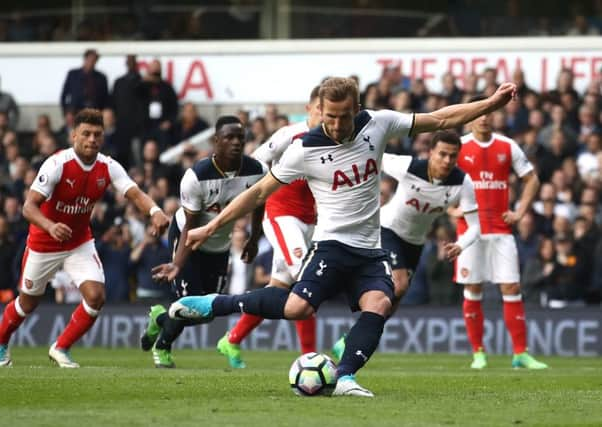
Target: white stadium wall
x=285 y=71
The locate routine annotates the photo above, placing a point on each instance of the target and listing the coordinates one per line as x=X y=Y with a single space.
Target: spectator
x=581 y=27
x=587 y=161
x=147 y=254
x=587 y=123
x=189 y=124
x=559 y=123
x=9 y=107
x=518 y=77
x=8 y=283
x=160 y=105
x=538 y=271
x=450 y=91
x=85 y=87
x=439 y=271
x=129 y=114
x=262 y=268
x=114 y=252
x=527 y=239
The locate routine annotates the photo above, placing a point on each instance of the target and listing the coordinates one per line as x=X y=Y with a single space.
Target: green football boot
x=479 y=360
x=231 y=351
x=339 y=348
x=162 y=358
x=148 y=338
x=525 y=360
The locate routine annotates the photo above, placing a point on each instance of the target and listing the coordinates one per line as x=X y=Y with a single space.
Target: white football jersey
x=206 y=191
x=271 y=150
x=345 y=177
x=417 y=202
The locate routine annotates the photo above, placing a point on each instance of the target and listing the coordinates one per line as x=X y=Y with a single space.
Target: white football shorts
x=81 y=264
x=290 y=237
x=492 y=258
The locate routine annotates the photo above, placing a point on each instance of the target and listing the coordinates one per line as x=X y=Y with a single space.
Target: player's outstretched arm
x=32 y=213
x=145 y=204
x=249 y=252
x=244 y=203
x=456 y=115
x=168 y=272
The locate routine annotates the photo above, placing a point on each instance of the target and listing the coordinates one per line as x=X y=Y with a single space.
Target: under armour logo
x=469 y=159
x=361 y=354
x=71 y=182
x=241 y=306
x=324 y=159
x=307 y=292
x=367 y=139
x=212 y=191
x=322 y=266
x=416 y=189
x=393 y=258
x=184 y=285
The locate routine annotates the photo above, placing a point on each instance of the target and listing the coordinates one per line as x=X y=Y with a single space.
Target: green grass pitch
x=120 y=387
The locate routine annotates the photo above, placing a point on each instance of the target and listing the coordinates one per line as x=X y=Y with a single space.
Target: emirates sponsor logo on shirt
x=82 y=206
x=486 y=182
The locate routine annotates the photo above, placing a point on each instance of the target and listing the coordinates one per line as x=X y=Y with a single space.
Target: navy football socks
x=361 y=342
x=266 y=302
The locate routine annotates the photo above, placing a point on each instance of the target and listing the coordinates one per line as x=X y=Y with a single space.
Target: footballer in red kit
x=58 y=208
x=489 y=158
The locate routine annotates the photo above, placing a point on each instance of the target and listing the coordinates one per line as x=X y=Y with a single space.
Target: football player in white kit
x=342 y=163
x=288 y=224
x=205 y=189
x=58 y=208
x=425 y=189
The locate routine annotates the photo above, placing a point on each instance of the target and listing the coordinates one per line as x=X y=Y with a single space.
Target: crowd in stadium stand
x=559 y=241
x=242 y=19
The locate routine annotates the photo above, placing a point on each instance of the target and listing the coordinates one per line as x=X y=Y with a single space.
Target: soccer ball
x=313 y=374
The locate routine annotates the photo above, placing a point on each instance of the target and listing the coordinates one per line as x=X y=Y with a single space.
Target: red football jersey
x=72 y=189
x=294 y=199
x=489 y=164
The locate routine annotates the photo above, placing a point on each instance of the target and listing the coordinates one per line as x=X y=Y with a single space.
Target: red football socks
x=81 y=321
x=243 y=327
x=514 y=316
x=11 y=320
x=473 y=319
x=306 y=330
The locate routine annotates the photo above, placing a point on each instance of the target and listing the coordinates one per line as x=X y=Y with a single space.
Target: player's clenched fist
x=60 y=232
x=159 y=221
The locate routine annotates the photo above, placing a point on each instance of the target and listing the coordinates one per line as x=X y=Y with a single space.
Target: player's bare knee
x=376 y=302
x=28 y=303
x=94 y=294
x=510 y=288
x=297 y=308
x=473 y=288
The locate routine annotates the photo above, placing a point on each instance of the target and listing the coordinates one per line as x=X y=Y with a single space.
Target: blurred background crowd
x=560 y=130
x=111 y=20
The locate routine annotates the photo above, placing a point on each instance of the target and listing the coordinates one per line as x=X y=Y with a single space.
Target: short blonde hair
x=338 y=89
